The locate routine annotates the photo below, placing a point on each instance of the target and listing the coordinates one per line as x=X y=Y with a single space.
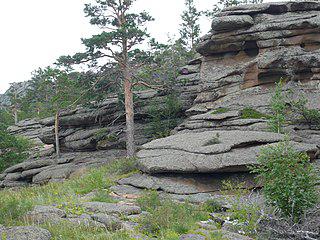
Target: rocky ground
x=107 y=209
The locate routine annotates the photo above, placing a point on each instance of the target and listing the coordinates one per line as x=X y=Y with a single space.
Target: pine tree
x=122 y=32
x=190 y=27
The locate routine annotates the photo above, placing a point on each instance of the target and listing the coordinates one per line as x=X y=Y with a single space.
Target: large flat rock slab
x=209 y=151
x=186 y=184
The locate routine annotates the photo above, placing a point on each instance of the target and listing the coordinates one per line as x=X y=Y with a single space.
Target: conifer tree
x=123 y=31
x=190 y=27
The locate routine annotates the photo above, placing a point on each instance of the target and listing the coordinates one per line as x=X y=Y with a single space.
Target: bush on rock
x=289 y=179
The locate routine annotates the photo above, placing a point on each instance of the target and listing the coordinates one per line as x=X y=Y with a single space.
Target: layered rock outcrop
x=91 y=136
x=248 y=49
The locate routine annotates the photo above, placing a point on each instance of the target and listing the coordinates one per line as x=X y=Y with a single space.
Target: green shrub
x=213 y=206
x=289 y=179
x=250 y=113
x=164 y=119
x=13 y=150
x=278 y=109
x=307 y=116
x=6 y=119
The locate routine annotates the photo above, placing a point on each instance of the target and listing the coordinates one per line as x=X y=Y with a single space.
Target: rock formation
x=248 y=49
x=89 y=136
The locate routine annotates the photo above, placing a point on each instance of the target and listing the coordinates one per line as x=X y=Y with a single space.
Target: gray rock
x=26 y=233
x=229 y=23
x=55 y=173
x=43 y=214
x=189 y=69
x=192 y=236
x=209 y=151
x=13 y=176
x=111 y=208
x=13 y=184
x=129 y=226
x=216 y=116
x=110 y=222
x=126 y=190
x=49 y=209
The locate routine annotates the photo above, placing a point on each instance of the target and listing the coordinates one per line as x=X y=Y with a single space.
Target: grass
x=220 y=110
x=66 y=231
x=168 y=219
x=165 y=220
x=250 y=113
x=246 y=215
x=103 y=196
x=213 y=141
x=16 y=203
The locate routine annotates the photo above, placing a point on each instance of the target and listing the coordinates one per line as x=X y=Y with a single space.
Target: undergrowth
x=16 y=203
x=168 y=219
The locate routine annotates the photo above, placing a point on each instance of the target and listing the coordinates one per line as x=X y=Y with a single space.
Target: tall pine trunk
x=129 y=112
x=15 y=114
x=56 y=134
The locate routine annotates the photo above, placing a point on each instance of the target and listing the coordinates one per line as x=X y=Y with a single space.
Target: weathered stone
x=13 y=184
x=49 y=209
x=216 y=116
x=208 y=225
x=209 y=151
x=110 y=222
x=44 y=214
x=12 y=176
x=26 y=233
x=111 y=208
x=229 y=23
x=191 y=236
x=54 y=173
x=126 y=191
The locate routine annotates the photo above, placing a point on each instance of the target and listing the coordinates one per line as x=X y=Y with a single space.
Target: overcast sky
x=34 y=33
